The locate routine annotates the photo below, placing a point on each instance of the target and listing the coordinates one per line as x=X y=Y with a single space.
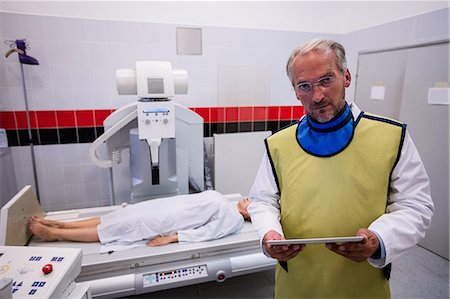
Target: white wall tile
x=92 y=193
x=77 y=54
x=90 y=173
x=117 y=32
x=48 y=155
x=151 y=34
x=118 y=56
x=80 y=98
x=72 y=175
x=99 y=77
x=56 y=199
x=14 y=74
x=6 y=102
x=75 y=196
x=63 y=98
x=56 y=29
x=4 y=48
x=40 y=99
x=60 y=76
x=17 y=98
x=79 y=76
x=3 y=76
x=97 y=53
x=58 y=52
x=38 y=76
x=54 y=176
x=12 y=26
x=243 y=85
x=75 y=30
x=95 y=30
x=97 y=98
x=69 y=154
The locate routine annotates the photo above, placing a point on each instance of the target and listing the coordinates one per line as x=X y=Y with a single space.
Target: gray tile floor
x=418 y=274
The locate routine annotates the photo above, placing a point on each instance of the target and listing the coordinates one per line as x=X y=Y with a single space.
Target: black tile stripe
x=68 y=135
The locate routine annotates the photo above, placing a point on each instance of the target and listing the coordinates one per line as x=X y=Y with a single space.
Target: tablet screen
x=316 y=240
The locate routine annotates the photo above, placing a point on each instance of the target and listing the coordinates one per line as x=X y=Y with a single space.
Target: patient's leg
x=49 y=233
x=90 y=222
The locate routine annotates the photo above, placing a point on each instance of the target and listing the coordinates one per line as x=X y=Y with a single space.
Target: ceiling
x=306 y=16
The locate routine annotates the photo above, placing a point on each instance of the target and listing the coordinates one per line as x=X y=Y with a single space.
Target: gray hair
x=318 y=45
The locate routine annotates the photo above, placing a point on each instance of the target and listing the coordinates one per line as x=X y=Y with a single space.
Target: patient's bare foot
x=42 y=231
x=48 y=222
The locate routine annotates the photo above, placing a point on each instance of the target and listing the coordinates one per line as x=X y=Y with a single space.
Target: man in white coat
x=337 y=172
x=183 y=218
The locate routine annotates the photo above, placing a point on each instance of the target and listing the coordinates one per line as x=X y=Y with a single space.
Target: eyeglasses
x=306 y=87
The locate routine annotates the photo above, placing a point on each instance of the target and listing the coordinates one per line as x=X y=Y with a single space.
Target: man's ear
x=348 y=78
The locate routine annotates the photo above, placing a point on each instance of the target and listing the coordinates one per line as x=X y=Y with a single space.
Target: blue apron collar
x=329 y=138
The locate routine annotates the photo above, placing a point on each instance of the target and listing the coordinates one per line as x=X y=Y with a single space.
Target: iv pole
x=25 y=59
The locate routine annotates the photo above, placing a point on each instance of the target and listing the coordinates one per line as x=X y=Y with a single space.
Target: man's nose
x=317 y=93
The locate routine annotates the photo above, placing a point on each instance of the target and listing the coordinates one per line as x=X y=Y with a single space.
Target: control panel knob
x=220 y=276
x=47 y=269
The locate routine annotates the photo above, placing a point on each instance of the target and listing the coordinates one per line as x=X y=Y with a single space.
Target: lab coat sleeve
x=409 y=206
x=264 y=208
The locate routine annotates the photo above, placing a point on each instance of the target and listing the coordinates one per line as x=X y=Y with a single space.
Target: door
x=428 y=125
x=406 y=75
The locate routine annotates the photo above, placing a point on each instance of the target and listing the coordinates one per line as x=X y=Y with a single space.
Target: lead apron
x=333 y=196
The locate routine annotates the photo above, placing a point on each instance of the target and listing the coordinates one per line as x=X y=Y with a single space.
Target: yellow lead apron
x=331 y=197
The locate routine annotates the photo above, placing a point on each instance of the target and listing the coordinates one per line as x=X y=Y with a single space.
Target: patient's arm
x=163 y=240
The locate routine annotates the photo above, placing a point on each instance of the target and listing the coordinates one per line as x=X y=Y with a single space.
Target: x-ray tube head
x=152 y=80
x=126 y=81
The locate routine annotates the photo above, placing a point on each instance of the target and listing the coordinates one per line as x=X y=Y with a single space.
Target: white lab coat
x=409 y=206
x=195 y=217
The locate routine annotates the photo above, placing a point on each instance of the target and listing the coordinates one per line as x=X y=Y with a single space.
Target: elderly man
x=338 y=172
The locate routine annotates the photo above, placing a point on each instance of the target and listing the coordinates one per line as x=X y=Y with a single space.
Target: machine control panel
x=156 y=119
x=40 y=272
x=177 y=275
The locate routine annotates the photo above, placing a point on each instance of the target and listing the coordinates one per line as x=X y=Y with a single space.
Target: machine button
x=47 y=269
x=220 y=276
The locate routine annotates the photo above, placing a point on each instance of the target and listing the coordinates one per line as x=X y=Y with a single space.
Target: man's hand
x=357 y=252
x=280 y=252
x=163 y=240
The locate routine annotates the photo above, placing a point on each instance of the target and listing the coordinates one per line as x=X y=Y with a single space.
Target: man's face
x=318 y=68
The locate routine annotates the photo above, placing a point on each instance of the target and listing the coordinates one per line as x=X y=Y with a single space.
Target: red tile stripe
x=255 y=113
x=94 y=118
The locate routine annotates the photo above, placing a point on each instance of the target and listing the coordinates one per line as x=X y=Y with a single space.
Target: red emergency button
x=47 y=269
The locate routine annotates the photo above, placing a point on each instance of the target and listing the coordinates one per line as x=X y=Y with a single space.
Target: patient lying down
x=183 y=218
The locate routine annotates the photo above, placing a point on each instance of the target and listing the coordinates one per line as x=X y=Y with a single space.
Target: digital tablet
x=316 y=240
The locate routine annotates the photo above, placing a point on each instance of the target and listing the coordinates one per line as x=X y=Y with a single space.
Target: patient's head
x=242 y=207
